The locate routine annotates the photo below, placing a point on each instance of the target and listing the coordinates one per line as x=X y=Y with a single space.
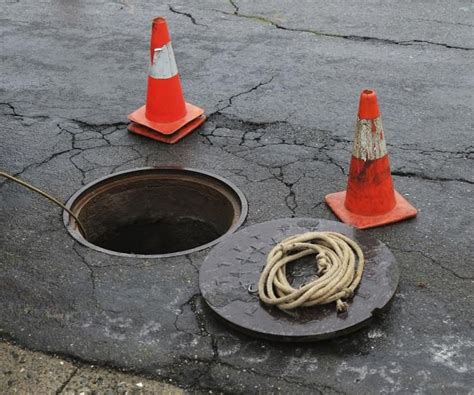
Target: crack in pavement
x=71 y=157
x=74 y=149
x=189 y=302
x=101 y=136
x=326 y=149
x=464 y=153
x=317 y=205
x=67 y=381
x=250 y=129
x=12 y=108
x=91 y=275
x=401 y=173
x=99 y=128
x=221 y=120
x=38 y=164
x=290 y=198
x=191 y=263
x=350 y=37
x=231 y=98
x=208 y=365
x=20 y=116
x=448 y=269
x=224 y=121
x=236 y=7
x=186 y=14
x=469 y=150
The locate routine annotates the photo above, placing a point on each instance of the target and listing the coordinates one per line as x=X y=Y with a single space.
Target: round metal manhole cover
x=156 y=212
x=228 y=279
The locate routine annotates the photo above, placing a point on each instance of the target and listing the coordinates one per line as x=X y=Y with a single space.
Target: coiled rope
x=47 y=196
x=339 y=273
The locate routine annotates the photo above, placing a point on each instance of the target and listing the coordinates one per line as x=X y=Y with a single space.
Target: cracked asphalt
x=280 y=84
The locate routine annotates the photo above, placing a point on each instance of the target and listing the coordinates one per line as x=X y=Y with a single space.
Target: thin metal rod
x=47 y=196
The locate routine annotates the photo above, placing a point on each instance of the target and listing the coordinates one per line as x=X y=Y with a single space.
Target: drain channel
x=154 y=212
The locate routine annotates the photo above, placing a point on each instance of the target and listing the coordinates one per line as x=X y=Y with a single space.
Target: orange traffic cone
x=370 y=199
x=166 y=116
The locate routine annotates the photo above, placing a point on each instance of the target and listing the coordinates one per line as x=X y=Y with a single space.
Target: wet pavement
x=280 y=84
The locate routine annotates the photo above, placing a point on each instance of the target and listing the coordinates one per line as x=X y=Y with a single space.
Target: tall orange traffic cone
x=370 y=199
x=166 y=116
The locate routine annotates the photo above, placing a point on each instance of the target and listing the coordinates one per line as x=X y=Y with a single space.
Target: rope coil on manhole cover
x=336 y=262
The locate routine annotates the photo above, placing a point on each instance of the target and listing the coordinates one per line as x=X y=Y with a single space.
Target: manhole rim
x=77 y=236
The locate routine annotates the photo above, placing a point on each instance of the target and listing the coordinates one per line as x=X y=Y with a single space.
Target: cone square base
x=402 y=210
x=192 y=112
x=167 y=138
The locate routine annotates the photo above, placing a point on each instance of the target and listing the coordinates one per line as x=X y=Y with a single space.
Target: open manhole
x=156 y=212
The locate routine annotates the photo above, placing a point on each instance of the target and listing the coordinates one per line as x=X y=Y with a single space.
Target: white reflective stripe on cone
x=163 y=65
x=369 y=142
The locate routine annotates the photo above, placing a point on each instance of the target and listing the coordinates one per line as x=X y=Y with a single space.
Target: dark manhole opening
x=156 y=212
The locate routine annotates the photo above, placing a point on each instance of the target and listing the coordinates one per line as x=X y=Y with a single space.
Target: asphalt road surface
x=280 y=82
